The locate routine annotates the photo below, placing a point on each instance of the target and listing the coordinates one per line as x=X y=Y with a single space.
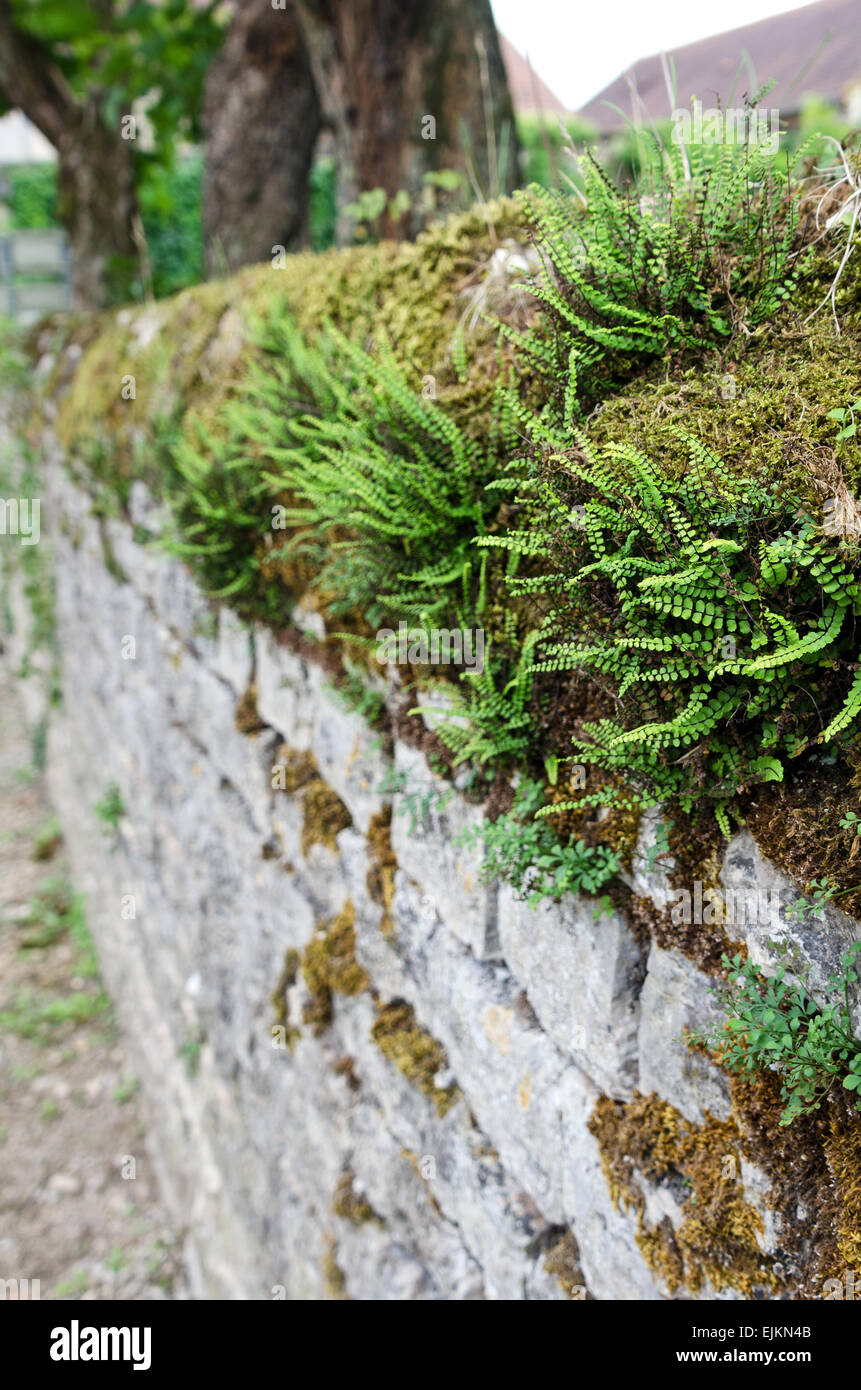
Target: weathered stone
x=588 y=1001
x=676 y=997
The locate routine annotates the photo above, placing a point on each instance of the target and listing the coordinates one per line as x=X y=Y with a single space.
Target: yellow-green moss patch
x=329 y=967
x=416 y=1053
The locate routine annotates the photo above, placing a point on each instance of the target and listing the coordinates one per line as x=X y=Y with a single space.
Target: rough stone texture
x=538 y=1012
x=676 y=997
x=589 y=1002
x=811 y=948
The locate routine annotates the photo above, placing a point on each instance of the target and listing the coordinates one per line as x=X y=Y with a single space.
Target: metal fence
x=35 y=274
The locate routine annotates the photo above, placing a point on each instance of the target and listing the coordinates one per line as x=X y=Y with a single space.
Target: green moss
x=415 y=1052
x=329 y=967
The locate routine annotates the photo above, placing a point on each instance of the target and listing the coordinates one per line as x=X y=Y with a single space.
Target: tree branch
x=31 y=80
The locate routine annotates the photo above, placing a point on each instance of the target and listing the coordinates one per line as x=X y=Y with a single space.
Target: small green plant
x=851 y=821
x=110 y=810
x=822 y=892
x=48 y=840
x=525 y=852
x=701 y=248
x=846 y=417
x=775 y=1025
x=488 y=717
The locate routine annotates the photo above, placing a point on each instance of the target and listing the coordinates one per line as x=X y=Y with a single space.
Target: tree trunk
x=98 y=207
x=408 y=87
x=97 y=199
x=261 y=120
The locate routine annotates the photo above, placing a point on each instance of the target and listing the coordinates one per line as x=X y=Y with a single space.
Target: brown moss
x=346 y=1067
x=796 y=823
x=380 y=878
x=329 y=967
x=415 y=1052
x=716 y=1240
x=293 y=769
x=562 y=1260
x=247 y=718
x=814 y=1168
x=350 y=1203
x=324 y=815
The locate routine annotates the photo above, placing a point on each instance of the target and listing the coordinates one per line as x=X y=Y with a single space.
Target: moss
x=380 y=878
x=562 y=1260
x=334 y=1279
x=329 y=967
x=350 y=1203
x=278 y=997
x=415 y=1052
x=188 y=354
x=716 y=1239
x=797 y=823
x=247 y=718
x=324 y=815
x=814 y=1168
x=295 y=769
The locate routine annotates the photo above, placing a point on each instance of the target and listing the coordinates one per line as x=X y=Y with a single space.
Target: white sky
x=578 y=46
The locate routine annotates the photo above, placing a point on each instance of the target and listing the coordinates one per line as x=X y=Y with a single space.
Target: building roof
x=528 y=93
x=814 y=49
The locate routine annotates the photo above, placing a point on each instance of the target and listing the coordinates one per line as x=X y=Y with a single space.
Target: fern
x=723 y=623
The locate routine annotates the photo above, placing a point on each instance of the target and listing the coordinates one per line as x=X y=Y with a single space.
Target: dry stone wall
x=415 y=1123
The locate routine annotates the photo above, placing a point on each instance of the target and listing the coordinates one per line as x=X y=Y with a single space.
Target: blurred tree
x=261 y=120
x=409 y=87
x=75 y=68
x=404 y=88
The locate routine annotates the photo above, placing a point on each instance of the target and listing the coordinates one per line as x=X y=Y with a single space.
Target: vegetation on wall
x=607 y=474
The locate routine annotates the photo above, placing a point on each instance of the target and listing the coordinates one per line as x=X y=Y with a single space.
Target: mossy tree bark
x=408 y=87
x=97 y=201
x=261 y=120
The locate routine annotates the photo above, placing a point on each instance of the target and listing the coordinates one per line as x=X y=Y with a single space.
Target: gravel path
x=79 y=1207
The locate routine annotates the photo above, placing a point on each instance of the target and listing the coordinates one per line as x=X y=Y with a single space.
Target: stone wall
x=402 y=1111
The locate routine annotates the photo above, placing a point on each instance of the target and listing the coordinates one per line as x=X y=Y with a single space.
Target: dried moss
x=293 y=769
x=716 y=1240
x=247 y=717
x=329 y=967
x=351 y=1204
x=415 y=1052
x=324 y=815
x=814 y=1168
x=334 y=1279
x=562 y=1260
x=380 y=878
